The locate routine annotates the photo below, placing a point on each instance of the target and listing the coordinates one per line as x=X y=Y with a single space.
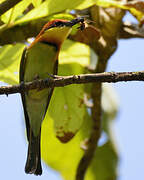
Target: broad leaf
x=65 y=103
x=50 y=7
x=104 y=164
x=86 y=4
x=73 y=52
x=65 y=157
x=36 y=3
x=9 y=63
x=15 y=12
x=2 y=1
x=67 y=108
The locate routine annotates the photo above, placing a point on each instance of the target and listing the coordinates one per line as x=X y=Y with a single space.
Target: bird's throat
x=53 y=36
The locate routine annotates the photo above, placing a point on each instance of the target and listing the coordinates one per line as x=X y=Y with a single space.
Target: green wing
x=21 y=78
x=37 y=62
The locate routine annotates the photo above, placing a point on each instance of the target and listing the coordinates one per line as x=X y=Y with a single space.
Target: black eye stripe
x=56 y=24
x=59 y=23
x=67 y=23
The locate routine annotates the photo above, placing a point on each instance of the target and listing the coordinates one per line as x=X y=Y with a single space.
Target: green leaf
x=65 y=157
x=104 y=164
x=10 y=56
x=74 y=52
x=67 y=105
x=50 y=7
x=86 y=4
x=64 y=103
x=68 y=117
x=61 y=157
x=136 y=7
x=2 y=1
x=15 y=12
x=36 y=3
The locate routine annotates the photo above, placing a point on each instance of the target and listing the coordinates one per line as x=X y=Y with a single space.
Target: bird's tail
x=33 y=163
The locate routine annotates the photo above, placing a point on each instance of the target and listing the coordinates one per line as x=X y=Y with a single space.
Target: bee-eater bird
x=39 y=60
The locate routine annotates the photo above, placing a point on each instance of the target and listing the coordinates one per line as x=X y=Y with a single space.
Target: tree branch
x=60 y=81
x=6 y=5
x=131 y=30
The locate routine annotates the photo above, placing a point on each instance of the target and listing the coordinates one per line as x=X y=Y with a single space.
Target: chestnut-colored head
x=56 y=31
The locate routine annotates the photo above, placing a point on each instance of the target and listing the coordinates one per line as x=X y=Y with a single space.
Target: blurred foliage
x=69 y=111
x=135 y=7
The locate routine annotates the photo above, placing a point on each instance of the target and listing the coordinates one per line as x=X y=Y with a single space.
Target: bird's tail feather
x=33 y=163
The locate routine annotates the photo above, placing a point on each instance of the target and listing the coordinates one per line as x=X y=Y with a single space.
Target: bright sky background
x=129 y=125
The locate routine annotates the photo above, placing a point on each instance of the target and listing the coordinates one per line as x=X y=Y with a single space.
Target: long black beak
x=75 y=21
x=67 y=23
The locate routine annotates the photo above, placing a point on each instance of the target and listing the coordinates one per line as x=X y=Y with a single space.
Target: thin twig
x=60 y=81
x=131 y=30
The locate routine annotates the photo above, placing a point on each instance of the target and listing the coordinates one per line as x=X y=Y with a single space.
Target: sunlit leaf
x=65 y=157
x=36 y=3
x=2 y=1
x=61 y=157
x=61 y=16
x=10 y=56
x=50 y=7
x=74 y=53
x=68 y=116
x=16 y=11
x=86 y=4
x=67 y=108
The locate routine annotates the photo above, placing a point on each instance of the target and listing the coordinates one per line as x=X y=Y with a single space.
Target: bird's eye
x=58 y=23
